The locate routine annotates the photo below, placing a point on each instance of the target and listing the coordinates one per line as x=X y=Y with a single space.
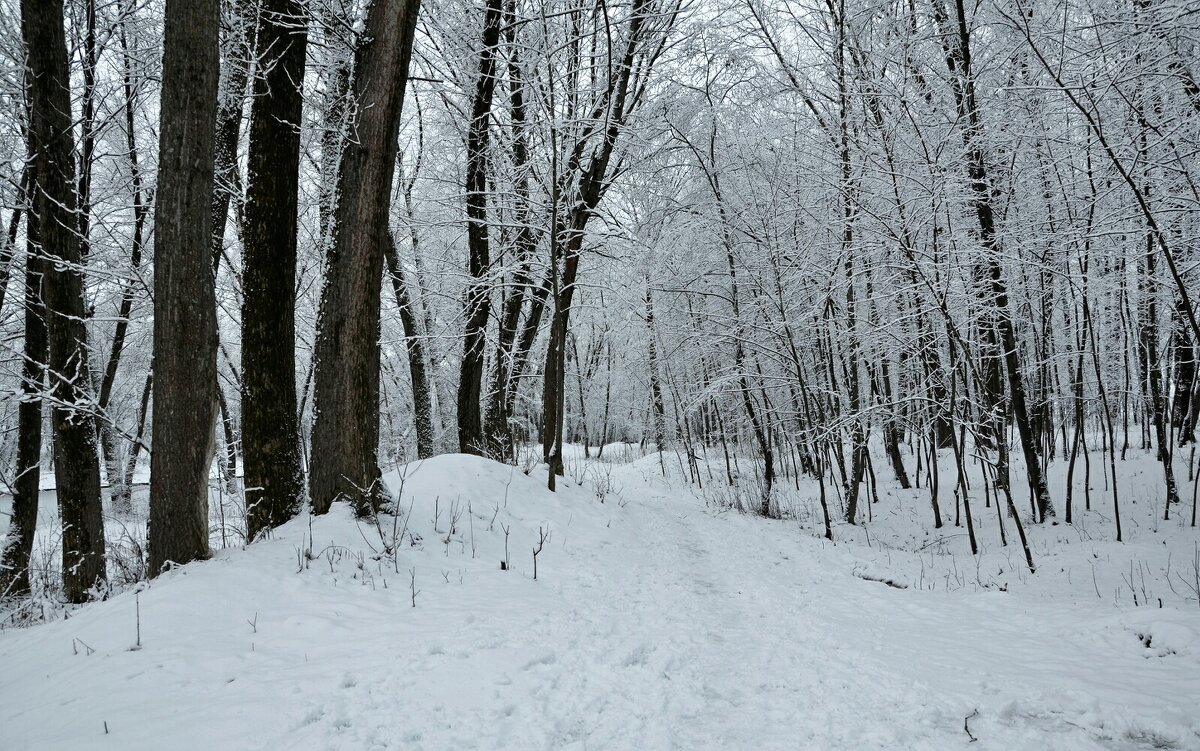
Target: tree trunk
x=1186 y=395
x=125 y=500
x=478 y=292
x=418 y=374
x=345 y=437
x=270 y=425
x=658 y=415
x=184 y=414
x=18 y=544
x=998 y=291
x=1149 y=365
x=76 y=461
x=120 y=494
x=497 y=431
x=87 y=127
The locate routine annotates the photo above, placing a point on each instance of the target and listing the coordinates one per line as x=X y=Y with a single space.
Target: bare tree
x=478 y=298
x=346 y=404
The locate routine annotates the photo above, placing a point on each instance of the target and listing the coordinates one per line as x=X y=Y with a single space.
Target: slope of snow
x=656 y=622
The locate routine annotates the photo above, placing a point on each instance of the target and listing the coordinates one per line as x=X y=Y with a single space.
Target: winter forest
x=618 y=374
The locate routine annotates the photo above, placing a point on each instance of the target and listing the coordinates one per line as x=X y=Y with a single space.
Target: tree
x=584 y=179
x=118 y=479
x=346 y=403
x=76 y=458
x=185 y=329
x=477 y=303
x=1000 y=321
x=18 y=546
x=270 y=428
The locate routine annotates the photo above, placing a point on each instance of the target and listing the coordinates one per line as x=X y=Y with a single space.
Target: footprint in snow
x=547 y=659
x=638 y=657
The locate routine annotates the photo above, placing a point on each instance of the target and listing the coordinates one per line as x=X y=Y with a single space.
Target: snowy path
x=655 y=626
x=693 y=630
x=669 y=640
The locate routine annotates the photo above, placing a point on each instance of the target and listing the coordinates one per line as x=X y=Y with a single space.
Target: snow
x=657 y=621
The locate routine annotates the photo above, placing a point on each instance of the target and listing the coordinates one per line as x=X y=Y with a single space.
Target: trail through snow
x=658 y=624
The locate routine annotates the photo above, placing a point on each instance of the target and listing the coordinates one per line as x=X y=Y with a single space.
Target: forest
x=889 y=304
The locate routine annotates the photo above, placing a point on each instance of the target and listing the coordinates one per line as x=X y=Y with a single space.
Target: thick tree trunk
x=478 y=292
x=270 y=425
x=185 y=328
x=76 y=460
x=345 y=437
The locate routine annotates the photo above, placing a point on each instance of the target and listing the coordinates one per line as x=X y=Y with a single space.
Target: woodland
x=806 y=257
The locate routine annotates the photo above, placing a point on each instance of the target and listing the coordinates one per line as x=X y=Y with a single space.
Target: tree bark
x=184 y=413
x=76 y=460
x=270 y=424
x=345 y=437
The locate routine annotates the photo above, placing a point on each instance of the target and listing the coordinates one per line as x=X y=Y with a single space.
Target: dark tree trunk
x=227 y=457
x=1185 y=380
x=1149 y=365
x=87 y=127
x=959 y=62
x=345 y=437
x=422 y=404
x=502 y=415
x=497 y=431
x=126 y=501
x=656 y=399
x=184 y=414
x=478 y=293
x=76 y=460
x=18 y=547
x=270 y=425
x=594 y=181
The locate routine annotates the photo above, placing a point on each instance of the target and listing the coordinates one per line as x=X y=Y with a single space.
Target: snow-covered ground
x=657 y=621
